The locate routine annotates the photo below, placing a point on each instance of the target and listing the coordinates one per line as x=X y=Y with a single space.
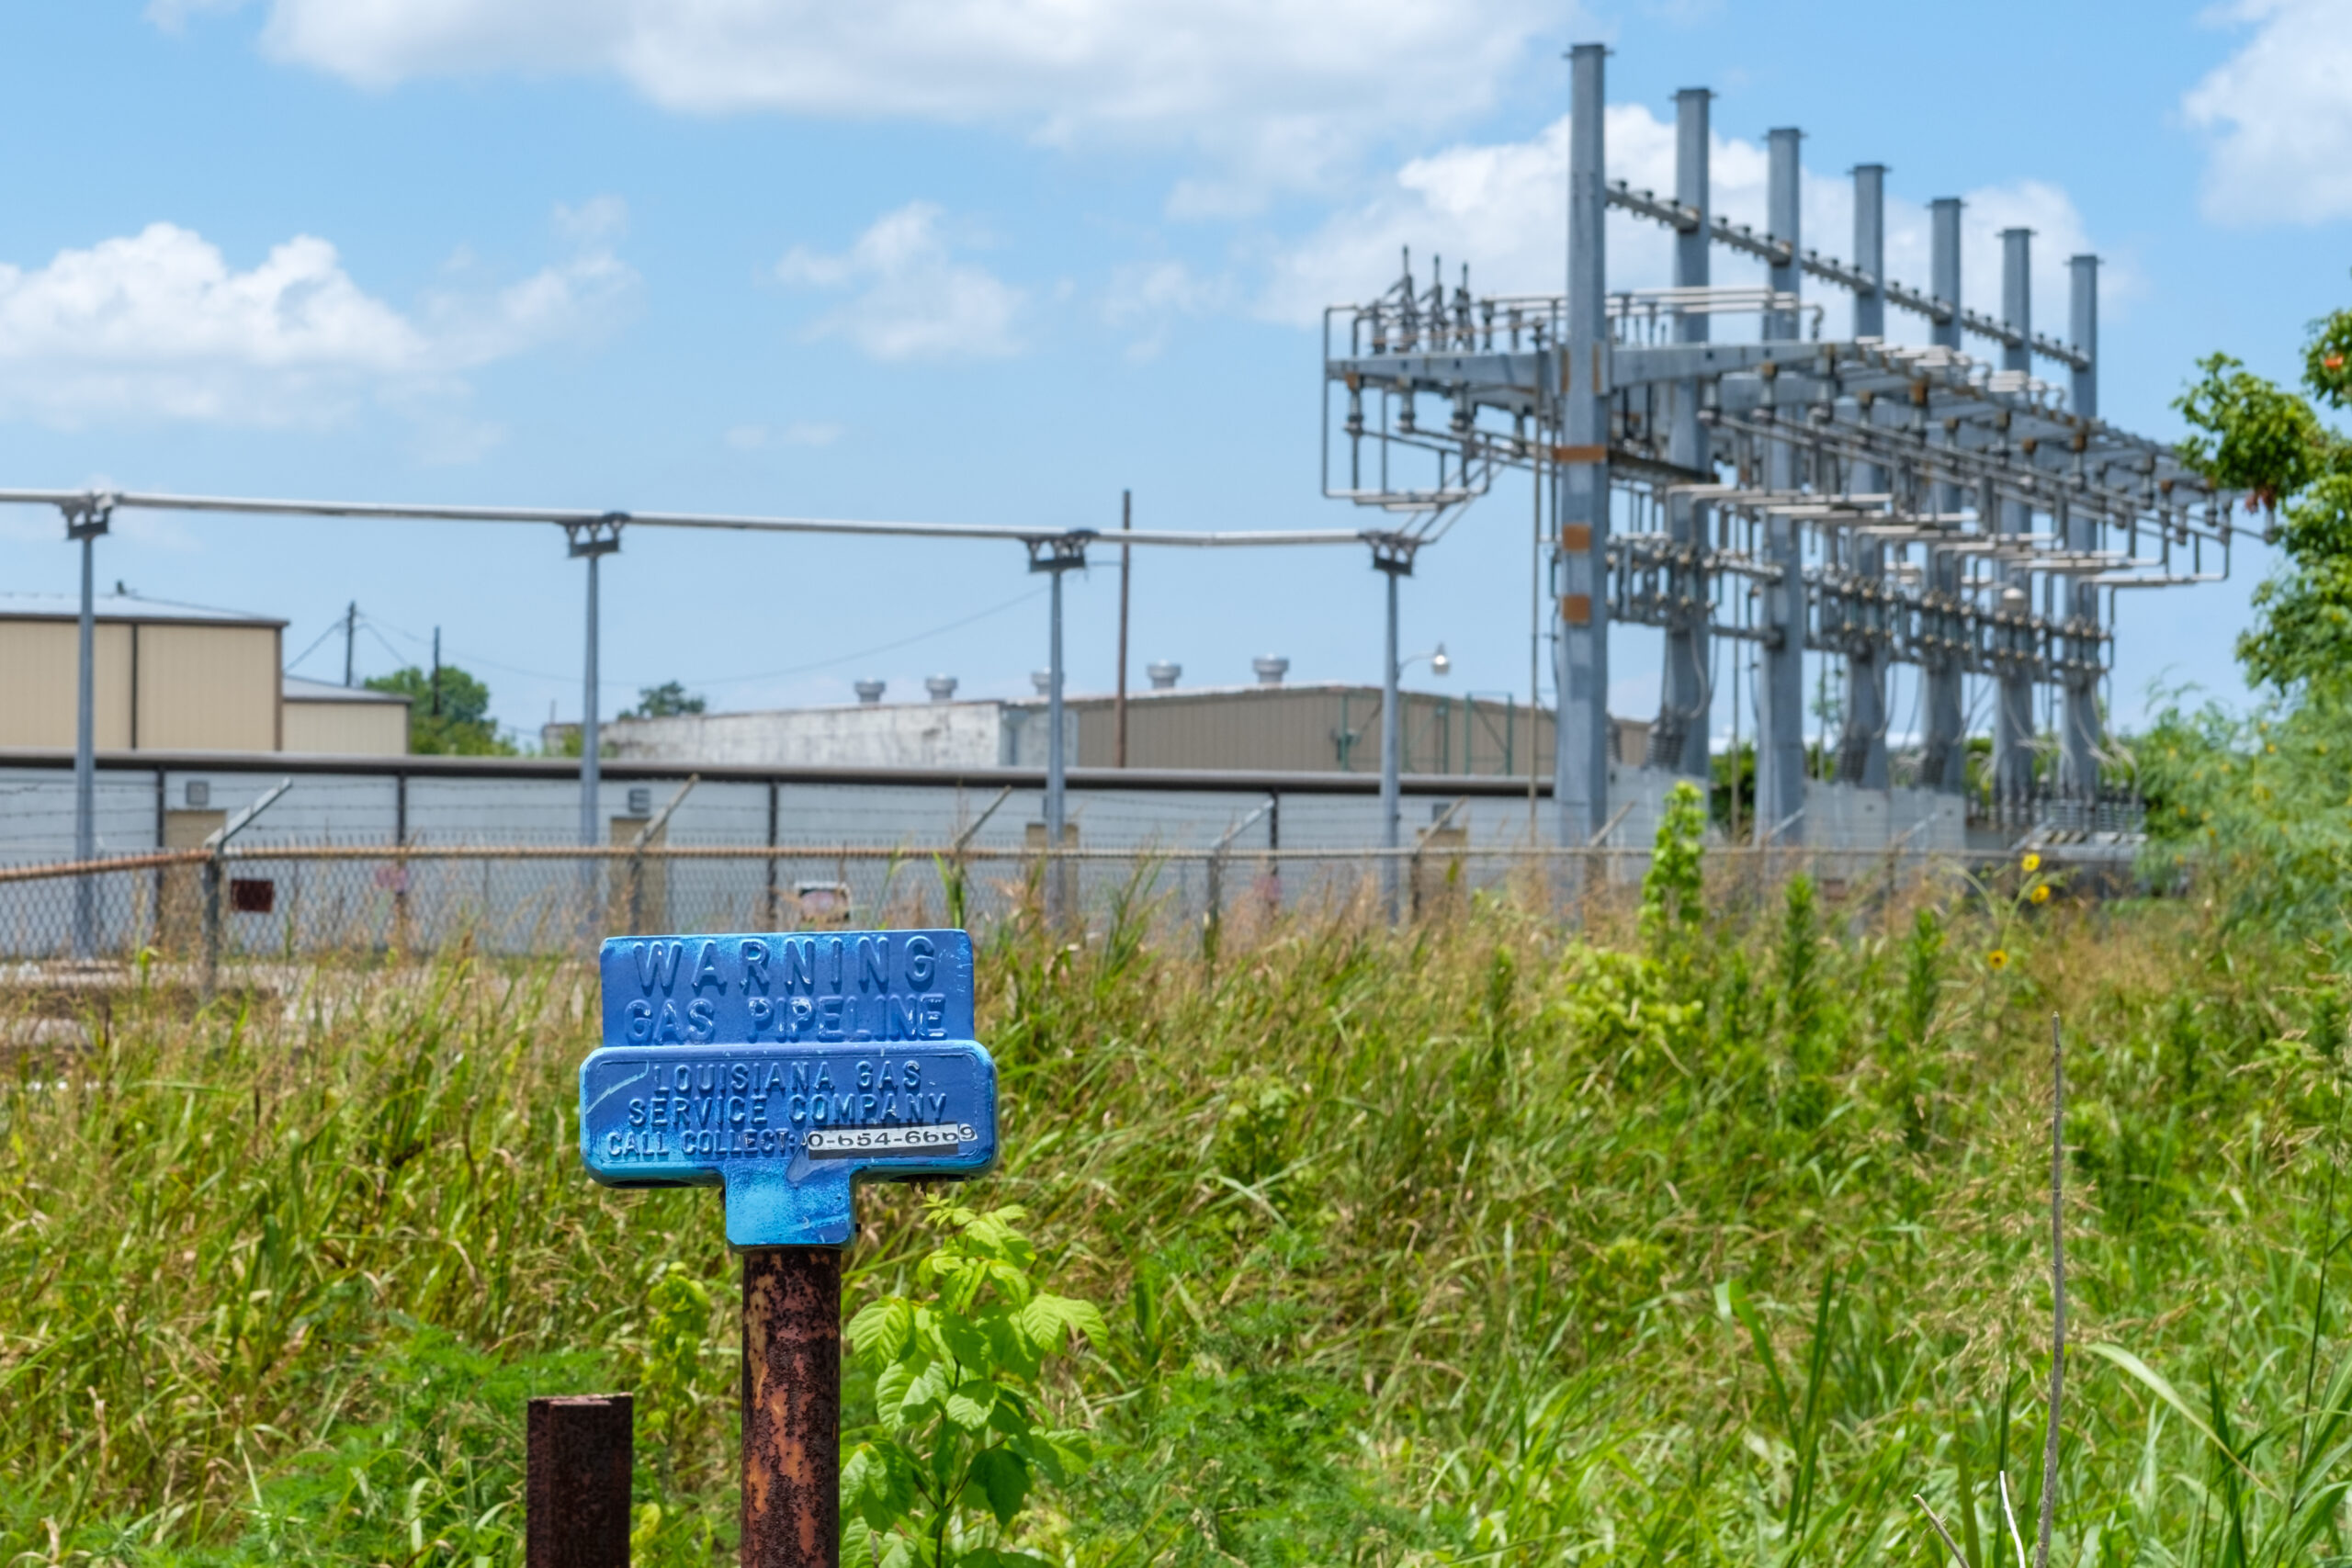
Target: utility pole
x=85 y=522
x=1126 y=522
x=1055 y=556
x=350 y=636
x=586 y=542
x=437 y=669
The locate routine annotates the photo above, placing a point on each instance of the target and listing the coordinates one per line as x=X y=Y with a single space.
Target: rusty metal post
x=792 y=1406
x=576 y=1496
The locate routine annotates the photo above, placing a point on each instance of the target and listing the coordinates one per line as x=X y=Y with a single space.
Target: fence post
x=575 y=1504
x=1213 y=916
x=213 y=921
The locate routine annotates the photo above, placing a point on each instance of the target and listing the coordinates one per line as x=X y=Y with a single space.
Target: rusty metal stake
x=792 y=1407
x=575 y=1508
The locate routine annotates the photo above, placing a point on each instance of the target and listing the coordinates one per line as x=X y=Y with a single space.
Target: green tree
x=2252 y=434
x=448 y=712
x=667 y=700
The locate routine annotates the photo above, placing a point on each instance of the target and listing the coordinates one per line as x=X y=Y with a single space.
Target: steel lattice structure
x=1880 y=503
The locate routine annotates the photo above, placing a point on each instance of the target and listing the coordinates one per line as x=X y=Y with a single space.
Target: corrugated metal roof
x=299 y=689
x=123 y=608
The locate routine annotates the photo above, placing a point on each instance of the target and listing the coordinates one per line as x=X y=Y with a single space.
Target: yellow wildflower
x=2032 y=863
x=1997 y=959
x=2040 y=893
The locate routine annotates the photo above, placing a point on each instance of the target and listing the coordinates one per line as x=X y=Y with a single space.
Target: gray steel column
x=1678 y=740
x=2013 y=729
x=2083 y=738
x=1057 y=777
x=1580 y=764
x=1944 y=758
x=591 y=742
x=2081 y=329
x=86 y=755
x=1862 y=752
x=1391 y=764
x=1055 y=557
x=1780 y=678
x=590 y=542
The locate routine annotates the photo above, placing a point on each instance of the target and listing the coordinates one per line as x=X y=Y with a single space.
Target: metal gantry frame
x=1879 y=503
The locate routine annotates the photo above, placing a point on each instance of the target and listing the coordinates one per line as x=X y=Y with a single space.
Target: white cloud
x=1502 y=207
x=158 y=324
x=801 y=433
x=914 y=298
x=1272 y=91
x=1147 y=299
x=2280 y=114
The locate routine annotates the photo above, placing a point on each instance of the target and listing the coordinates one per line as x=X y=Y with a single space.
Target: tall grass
x=1701 y=1239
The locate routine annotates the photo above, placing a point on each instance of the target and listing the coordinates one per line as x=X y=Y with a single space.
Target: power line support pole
x=1943 y=762
x=1581 y=760
x=2013 y=727
x=1126 y=565
x=1678 y=740
x=1862 y=756
x=350 y=637
x=590 y=542
x=2079 y=755
x=1391 y=557
x=84 y=521
x=1055 y=556
x=1779 y=750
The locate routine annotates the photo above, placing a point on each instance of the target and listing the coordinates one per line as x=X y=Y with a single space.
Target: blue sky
x=991 y=264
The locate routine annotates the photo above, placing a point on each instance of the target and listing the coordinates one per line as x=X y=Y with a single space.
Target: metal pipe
x=591 y=743
x=792 y=1407
x=1056 y=772
x=2082 y=742
x=1580 y=765
x=1943 y=232
x=2082 y=326
x=85 y=756
x=1679 y=739
x=575 y=517
x=2017 y=295
x=1870 y=249
x=1944 y=757
x=2013 y=728
x=1862 y=753
x=1126 y=571
x=1780 y=691
x=1390 y=763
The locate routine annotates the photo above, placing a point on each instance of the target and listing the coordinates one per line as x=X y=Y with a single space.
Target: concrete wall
x=881 y=735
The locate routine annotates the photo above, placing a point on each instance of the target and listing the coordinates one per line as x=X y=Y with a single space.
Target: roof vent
x=1164 y=673
x=1044 y=680
x=1271 y=669
x=941 y=687
x=869 y=691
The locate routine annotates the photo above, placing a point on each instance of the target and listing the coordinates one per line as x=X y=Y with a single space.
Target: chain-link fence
x=261 y=903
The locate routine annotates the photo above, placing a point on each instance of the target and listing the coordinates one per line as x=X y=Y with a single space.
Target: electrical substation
x=1879 y=506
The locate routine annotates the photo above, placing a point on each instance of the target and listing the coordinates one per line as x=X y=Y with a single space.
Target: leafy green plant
x=962 y=1437
x=1673 y=896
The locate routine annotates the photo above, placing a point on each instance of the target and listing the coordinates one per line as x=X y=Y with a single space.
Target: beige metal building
x=174 y=677
x=1324 y=728
x=341 y=721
